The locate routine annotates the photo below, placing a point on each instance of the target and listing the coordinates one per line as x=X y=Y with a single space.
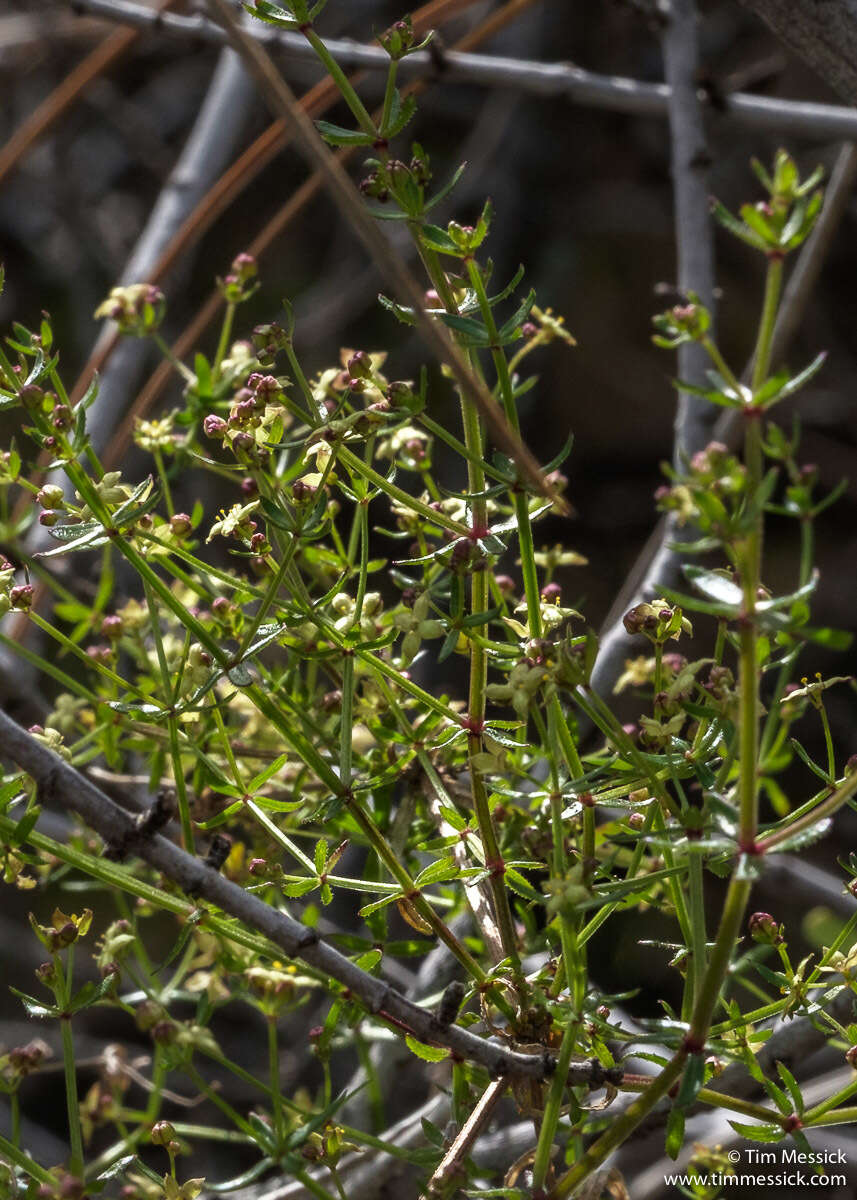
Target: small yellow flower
x=157 y=435
x=235 y=522
x=188 y=1190
x=137 y=309
x=637 y=673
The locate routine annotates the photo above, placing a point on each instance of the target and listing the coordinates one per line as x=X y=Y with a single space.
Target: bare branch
x=586 y=88
x=695 y=255
x=694 y=242
x=56 y=778
x=206 y=154
x=39 y=122
x=824 y=35
x=478 y=894
x=450 y=1163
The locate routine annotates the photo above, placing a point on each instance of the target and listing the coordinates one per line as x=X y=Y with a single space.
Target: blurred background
x=582 y=197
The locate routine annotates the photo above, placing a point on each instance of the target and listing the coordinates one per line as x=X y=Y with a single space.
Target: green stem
x=389 y=95
x=74 y=686
x=72 y=1102
x=185 y=372
x=225 y=335
x=507 y=396
x=11 y=1152
x=704 y=1005
x=181 y=787
x=165 y=483
x=827 y=808
x=553 y=1107
x=274 y=1072
x=346 y=731
x=696 y=904
x=349 y=95
x=764 y=340
x=80 y=654
x=813 y=1114
x=708 y=995
x=619 y=1131
x=268 y=599
x=351 y=460
x=721 y=364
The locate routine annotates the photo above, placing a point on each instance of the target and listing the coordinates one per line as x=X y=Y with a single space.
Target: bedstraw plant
x=353 y=682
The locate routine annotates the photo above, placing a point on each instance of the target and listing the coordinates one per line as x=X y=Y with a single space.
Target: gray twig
x=57 y=778
x=450 y=1164
x=695 y=257
x=207 y=152
x=587 y=88
x=824 y=35
x=694 y=241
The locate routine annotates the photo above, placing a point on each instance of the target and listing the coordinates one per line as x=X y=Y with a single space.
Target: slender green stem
x=764 y=340
x=356 y=464
x=29 y=1166
x=696 y=905
x=719 y=958
x=721 y=364
x=74 y=686
x=389 y=95
x=181 y=787
x=67 y=644
x=622 y=1127
x=274 y=1074
x=313 y=1186
x=268 y=599
x=826 y=808
x=72 y=1102
x=185 y=372
x=343 y=84
x=362 y=515
x=225 y=335
x=507 y=397
x=553 y=1107
x=813 y=1114
x=346 y=731
x=162 y=476
x=828 y=740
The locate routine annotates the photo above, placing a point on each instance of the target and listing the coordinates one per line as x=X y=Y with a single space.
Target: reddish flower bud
x=764 y=929
x=214 y=426
x=21 y=596
x=180 y=524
